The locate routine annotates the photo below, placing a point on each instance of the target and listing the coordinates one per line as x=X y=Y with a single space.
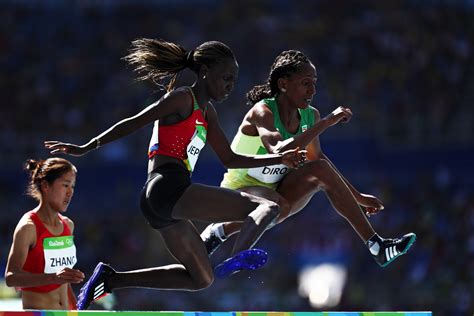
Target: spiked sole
x=251 y=259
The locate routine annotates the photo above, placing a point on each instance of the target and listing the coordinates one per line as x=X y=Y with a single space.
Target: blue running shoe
x=250 y=259
x=96 y=287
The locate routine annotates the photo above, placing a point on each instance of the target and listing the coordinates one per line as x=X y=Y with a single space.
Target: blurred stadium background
x=405 y=68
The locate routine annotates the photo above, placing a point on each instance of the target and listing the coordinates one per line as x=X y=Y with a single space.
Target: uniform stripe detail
x=99 y=290
x=391 y=252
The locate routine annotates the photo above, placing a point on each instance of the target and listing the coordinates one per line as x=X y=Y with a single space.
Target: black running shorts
x=161 y=192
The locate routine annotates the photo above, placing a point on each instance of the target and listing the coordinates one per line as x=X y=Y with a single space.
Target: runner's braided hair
x=285 y=64
x=45 y=170
x=157 y=60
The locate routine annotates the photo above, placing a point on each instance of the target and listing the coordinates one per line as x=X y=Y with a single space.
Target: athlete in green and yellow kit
x=281 y=118
x=268 y=176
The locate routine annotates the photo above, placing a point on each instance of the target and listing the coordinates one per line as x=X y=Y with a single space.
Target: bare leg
x=231 y=228
x=202 y=203
x=255 y=212
x=299 y=186
x=194 y=272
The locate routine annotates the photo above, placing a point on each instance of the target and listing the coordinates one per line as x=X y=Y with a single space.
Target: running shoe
x=96 y=287
x=250 y=259
x=390 y=249
x=210 y=239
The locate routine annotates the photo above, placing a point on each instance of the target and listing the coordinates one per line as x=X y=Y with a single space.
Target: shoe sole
x=251 y=259
x=408 y=246
x=86 y=289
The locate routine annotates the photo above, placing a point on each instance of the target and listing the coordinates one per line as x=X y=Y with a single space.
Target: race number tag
x=269 y=174
x=59 y=252
x=195 y=146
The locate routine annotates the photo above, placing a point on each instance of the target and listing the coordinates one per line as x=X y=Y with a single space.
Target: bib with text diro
x=269 y=174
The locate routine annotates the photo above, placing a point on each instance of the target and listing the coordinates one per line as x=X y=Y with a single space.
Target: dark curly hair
x=285 y=64
x=157 y=60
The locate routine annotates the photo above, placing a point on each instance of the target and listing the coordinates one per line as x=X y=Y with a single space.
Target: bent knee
x=320 y=172
x=203 y=281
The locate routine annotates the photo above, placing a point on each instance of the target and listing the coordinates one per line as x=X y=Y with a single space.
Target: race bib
x=195 y=146
x=59 y=252
x=269 y=174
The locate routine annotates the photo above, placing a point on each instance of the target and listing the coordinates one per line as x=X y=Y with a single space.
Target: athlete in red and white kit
x=43 y=254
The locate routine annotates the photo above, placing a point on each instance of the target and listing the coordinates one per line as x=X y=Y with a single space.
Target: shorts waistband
x=169 y=166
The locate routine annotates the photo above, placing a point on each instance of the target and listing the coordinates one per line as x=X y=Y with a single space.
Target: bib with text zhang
x=195 y=146
x=269 y=174
x=59 y=252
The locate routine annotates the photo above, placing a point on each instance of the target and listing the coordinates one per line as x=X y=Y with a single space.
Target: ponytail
x=259 y=92
x=157 y=60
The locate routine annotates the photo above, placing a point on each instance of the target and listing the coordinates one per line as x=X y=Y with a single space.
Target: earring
x=283 y=90
x=204 y=77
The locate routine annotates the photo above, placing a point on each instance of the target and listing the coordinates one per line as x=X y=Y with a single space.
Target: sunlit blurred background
x=405 y=68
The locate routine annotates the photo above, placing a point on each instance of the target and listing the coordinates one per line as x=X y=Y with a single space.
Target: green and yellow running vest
x=268 y=176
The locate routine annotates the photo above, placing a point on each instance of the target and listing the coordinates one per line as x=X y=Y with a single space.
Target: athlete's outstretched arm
x=292 y=158
x=262 y=118
x=170 y=103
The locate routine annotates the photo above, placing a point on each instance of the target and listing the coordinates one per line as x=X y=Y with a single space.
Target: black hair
x=45 y=170
x=157 y=60
x=285 y=64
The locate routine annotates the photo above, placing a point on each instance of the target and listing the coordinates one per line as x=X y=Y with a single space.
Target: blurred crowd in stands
x=406 y=69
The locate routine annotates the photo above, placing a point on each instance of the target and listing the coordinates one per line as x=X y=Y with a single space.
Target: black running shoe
x=390 y=249
x=96 y=287
x=210 y=239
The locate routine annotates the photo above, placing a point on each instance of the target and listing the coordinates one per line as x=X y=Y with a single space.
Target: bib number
x=195 y=146
x=59 y=253
x=269 y=174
